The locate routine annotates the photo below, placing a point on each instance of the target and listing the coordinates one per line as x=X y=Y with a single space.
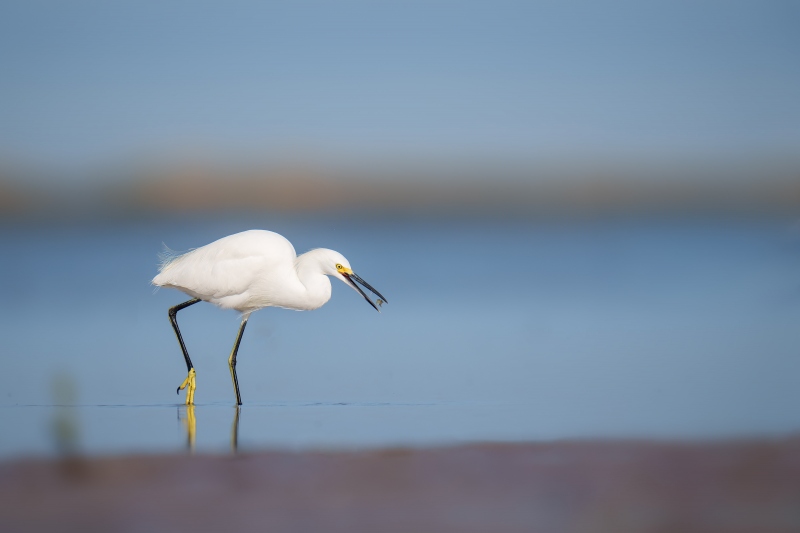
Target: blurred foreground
x=563 y=486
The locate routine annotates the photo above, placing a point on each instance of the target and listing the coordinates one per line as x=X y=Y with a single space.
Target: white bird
x=248 y=271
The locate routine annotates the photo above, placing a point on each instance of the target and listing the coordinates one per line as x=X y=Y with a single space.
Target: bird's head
x=336 y=265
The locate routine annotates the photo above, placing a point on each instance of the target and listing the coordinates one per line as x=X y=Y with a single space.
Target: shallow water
x=496 y=330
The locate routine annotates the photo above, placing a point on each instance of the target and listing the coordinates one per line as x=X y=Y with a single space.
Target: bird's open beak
x=352 y=277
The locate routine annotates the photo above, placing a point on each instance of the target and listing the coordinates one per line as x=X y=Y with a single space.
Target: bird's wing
x=229 y=266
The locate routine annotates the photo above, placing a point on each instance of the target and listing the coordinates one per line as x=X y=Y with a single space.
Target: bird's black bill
x=369 y=287
x=352 y=278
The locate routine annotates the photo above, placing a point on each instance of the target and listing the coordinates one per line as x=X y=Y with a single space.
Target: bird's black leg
x=190 y=379
x=232 y=361
x=173 y=318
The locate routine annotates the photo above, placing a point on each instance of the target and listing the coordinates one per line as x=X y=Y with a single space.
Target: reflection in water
x=190 y=422
x=186 y=415
x=235 y=430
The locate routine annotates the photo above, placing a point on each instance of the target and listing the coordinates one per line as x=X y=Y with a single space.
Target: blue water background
x=496 y=330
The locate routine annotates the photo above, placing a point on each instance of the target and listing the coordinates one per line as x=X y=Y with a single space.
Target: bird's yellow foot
x=191 y=384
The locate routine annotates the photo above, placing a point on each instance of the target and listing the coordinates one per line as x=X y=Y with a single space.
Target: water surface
x=496 y=330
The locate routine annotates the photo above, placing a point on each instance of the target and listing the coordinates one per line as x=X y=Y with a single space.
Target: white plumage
x=249 y=271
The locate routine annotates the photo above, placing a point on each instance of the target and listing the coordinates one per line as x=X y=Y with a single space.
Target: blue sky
x=86 y=83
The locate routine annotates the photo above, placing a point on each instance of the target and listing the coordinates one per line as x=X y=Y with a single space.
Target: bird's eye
x=339 y=266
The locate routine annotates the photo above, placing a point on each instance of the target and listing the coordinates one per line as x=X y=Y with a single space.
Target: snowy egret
x=249 y=271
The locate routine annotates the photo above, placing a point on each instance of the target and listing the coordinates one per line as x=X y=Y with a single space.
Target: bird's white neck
x=311 y=274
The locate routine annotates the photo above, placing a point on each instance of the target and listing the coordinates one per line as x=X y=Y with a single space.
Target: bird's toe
x=190 y=385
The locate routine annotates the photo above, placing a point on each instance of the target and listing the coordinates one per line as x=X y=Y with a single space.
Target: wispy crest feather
x=168 y=256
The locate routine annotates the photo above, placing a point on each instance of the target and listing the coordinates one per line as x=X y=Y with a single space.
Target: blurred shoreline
x=433 y=190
